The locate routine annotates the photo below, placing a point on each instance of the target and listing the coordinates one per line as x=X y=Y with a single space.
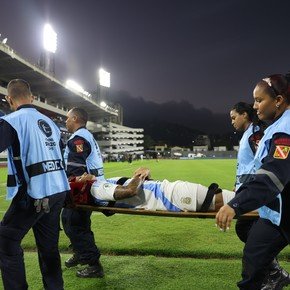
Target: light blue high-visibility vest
x=40 y=155
x=282 y=125
x=245 y=160
x=94 y=161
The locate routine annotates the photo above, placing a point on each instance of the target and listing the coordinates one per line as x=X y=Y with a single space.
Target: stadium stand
x=54 y=98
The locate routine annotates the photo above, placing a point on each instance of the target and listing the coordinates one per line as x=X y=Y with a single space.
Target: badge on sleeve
x=281 y=152
x=79 y=146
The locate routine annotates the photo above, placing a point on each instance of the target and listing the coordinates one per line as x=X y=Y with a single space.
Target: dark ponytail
x=242 y=107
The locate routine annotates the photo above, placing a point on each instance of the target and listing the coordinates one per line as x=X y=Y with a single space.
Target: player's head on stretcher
x=140 y=192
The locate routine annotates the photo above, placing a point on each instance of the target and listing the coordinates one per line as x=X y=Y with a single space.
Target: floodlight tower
x=47 y=59
x=103 y=90
x=104 y=78
x=103 y=85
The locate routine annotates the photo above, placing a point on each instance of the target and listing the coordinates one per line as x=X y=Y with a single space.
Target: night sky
x=209 y=53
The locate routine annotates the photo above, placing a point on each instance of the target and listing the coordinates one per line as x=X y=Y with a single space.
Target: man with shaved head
x=82 y=155
x=37 y=186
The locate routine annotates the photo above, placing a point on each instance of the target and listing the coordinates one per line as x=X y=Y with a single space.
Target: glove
x=42 y=204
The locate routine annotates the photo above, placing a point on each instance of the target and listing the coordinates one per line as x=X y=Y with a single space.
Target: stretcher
x=185 y=214
x=80 y=198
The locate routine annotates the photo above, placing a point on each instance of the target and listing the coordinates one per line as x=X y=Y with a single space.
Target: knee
x=48 y=250
x=64 y=216
x=10 y=246
x=66 y=219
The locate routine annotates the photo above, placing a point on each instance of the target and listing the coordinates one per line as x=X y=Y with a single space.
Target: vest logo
x=281 y=152
x=44 y=128
x=52 y=165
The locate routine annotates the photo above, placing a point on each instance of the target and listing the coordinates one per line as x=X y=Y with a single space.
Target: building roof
x=45 y=85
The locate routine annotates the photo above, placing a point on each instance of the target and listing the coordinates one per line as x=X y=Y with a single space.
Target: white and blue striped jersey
x=155 y=195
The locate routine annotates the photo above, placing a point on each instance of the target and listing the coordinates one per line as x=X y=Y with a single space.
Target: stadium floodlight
x=87 y=94
x=49 y=38
x=103 y=104
x=75 y=86
x=104 y=78
x=4 y=41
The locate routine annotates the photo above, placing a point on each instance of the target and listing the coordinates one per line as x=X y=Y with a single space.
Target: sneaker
x=277 y=281
x=72 y=262
x=94 y=271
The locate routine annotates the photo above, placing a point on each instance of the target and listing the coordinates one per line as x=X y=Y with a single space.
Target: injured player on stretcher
x=140 y=192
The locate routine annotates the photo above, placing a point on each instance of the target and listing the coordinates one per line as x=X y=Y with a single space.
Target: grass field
x=141 y=252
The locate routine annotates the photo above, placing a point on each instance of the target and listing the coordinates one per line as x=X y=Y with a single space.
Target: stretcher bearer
x=37 y=185
x=269 y=187
x=244 y=118
x=82 y=155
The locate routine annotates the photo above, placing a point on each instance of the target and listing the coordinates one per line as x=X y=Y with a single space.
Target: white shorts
x=185 y=195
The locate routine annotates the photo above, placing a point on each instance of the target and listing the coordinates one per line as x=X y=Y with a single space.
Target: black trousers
x=264 y=243
x=243 y=227
x=17 y=221
x=77 y=226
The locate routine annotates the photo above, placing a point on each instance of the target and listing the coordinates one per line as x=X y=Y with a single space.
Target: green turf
x=141 y=252
x=203 y=171
x=150 y=272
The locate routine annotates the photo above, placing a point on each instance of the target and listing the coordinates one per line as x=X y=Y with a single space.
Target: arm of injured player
x=106 y=191
x=143 y=173
x=85 y=177
x=129 y=190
